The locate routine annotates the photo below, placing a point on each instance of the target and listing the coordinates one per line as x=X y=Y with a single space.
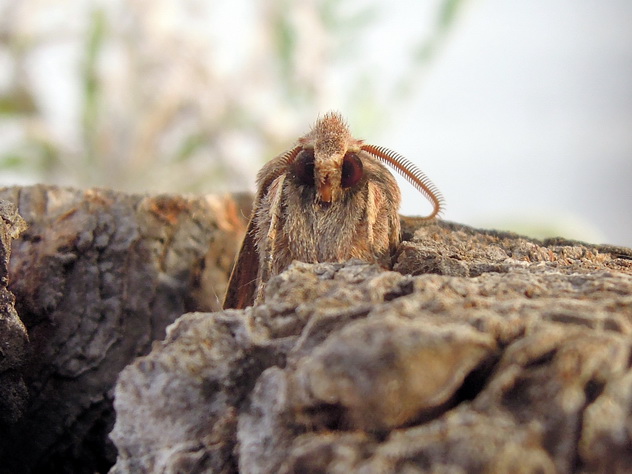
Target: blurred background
x=520 y=112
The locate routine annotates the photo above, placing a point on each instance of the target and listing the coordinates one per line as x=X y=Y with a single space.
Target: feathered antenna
x=413 y=175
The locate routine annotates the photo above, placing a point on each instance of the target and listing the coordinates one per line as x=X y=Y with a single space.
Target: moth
x=328 y=199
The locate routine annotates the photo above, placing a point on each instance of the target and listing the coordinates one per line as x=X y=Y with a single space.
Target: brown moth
x=328 y=199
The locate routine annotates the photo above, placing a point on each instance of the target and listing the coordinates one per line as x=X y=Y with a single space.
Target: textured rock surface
x=98 y=275
x=482 y=352
x=13 y=337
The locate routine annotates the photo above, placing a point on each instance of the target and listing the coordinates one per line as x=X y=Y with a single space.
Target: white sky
x=527 y=115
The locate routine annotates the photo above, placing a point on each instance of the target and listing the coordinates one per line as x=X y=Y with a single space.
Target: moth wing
x=242 y=284
x=244 y=279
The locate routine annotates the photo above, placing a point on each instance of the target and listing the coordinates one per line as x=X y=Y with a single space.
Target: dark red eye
x=352 y=170
x=303 y=167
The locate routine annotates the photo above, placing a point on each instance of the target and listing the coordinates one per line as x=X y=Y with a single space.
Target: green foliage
x=92 y=83
x=156 y=110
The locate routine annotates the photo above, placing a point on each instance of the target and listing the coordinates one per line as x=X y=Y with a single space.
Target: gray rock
x=13 y=336
x=98 y=275
x=482 y=352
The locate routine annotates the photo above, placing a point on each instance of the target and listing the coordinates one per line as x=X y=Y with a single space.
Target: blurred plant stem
x=182 y=95
x=92 y=87
x=428 y=47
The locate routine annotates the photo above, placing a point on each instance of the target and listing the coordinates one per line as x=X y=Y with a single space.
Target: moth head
x=329 y=159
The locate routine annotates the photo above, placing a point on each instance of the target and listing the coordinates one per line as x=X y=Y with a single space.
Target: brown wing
x=243 y=282
x=243 y=279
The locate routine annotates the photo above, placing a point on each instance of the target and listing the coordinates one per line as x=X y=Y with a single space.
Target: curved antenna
x=413 y=175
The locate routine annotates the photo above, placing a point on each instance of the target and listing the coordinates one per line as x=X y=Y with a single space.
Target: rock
x=370 y=371
x=98 y=275
x=13 y=336
x=482 y=352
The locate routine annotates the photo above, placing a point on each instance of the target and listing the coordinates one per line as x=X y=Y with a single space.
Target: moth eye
x=303 y=167
x=352 y=170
